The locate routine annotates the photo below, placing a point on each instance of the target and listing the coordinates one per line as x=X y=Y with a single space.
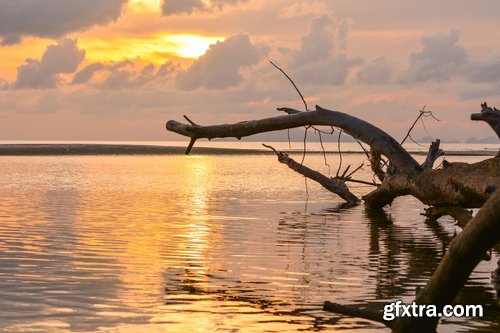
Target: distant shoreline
x=106 y=149
x=127 y=149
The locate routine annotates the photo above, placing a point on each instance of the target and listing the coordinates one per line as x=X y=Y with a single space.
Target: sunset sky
x=118 y=69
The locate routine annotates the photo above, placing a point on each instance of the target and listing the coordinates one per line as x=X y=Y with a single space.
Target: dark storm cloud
x=53 y=18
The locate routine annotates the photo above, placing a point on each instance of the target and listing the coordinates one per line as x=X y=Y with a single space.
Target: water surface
x=206 y=243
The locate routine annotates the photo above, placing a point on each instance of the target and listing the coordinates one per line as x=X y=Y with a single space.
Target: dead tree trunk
x=454 y=185
x=463 y=255
x=336 y=185
x=449 y=189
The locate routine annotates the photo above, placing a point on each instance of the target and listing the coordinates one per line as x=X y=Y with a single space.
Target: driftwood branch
x=355 y=311
x=293 y=83
x=376 y=164
x=490 y=115
x=463 y=255
x=450 y=190
x=434 y=153
x=334 y=185
x=422 y=113
x=456 y=184
x=360 y=129
x=460 y=214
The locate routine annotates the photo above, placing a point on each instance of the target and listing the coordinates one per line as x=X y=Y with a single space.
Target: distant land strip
x=119 y=149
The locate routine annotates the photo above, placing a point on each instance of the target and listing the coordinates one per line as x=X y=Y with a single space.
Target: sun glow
x=191 y=46
x=155 y=49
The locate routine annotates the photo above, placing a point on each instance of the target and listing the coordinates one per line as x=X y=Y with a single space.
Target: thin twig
x=423 y=113
x=305 y=145
x=307 y=189
x=345 y=171
x=340 y=153
x=363 y=182
x=367 y=154
x=423 y=125
x=190 y=121
x=354 y=171
x=415 y=142
x=272 y=148
x=190 y=146
x=324 y=152
x=293 y=83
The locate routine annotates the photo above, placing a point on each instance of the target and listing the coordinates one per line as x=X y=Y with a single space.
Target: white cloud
x=485 y=71
x=63 y=57
x=53 y=18
x=317 y=45
x=220 y=67
x=333 y=71
x=377 y=71
x=123 y=75
x=441 y=57
x=342 y=31
x=321 y=57
x=303 y=8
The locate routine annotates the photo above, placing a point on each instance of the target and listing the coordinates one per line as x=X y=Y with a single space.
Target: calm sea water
x=206 y=243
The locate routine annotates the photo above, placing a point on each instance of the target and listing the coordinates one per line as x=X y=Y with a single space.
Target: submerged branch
x=355 y=311
x=333 y=185
x=465 y=252
x=462 y=215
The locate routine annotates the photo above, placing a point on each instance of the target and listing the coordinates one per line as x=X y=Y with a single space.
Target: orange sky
x=117 y=70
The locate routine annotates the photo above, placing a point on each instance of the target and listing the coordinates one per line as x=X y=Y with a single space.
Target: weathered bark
x=490 y=115
x=360 y=129
x=456 y=184
x=434 y=153
x=355 y=311
x=461 y=215
x=463 y=255
x=335 y=185
x=450 y=190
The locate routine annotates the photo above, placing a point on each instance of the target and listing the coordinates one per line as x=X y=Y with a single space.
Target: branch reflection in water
x=205 y=243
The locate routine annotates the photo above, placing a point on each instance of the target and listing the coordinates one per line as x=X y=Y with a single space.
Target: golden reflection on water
x=184 y=244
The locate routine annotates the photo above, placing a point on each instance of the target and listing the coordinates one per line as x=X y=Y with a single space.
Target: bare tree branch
x=334 y=185
x=293 y=83
x=357 y=128
x=433 y=154
x=490 y=115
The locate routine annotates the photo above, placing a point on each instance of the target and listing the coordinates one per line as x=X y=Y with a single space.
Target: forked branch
x=490 y=116
x=357 y=128
x=334 y=185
